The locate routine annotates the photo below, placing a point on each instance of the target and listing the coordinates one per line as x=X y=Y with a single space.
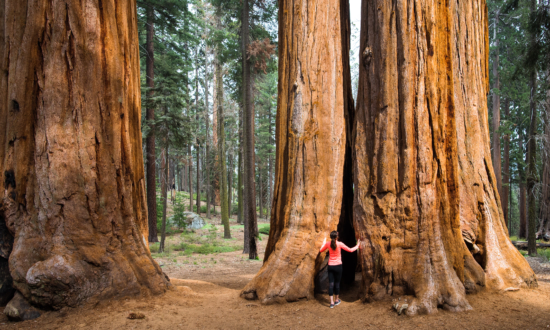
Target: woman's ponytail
x=333 y=237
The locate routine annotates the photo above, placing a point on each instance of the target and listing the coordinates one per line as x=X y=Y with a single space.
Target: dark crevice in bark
x=345 y=228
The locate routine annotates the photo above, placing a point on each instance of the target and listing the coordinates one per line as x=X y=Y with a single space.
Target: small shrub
x=179 y=218
x=264 y=229
x=154 y=247
x=212 y=232
x=523 y=252
x=545 y=253
x=203 y=197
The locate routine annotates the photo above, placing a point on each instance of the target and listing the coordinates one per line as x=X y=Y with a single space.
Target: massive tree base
x=311 y=141
x=426 y=205
x=73 y=192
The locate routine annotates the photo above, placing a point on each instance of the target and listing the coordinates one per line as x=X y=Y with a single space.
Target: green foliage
x=545 y=253
x=212 y=232
x=203 y=197
x=179 y=218
x=234 y=209
x=203 y=209
x=512 y=24
x=263 y=229
x=154 y=247
x=205 y=248
x=159 y=212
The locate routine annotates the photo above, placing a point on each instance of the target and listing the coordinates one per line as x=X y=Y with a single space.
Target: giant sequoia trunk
x=311 y=142
x=426 y=205
x=70 y=152
x=426 y=195
x=496 y=110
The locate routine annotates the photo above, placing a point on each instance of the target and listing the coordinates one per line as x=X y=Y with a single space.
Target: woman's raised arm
x=346 y=248
x=323 y=247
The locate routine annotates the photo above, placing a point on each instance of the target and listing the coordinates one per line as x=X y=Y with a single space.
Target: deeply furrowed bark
x=310 y=150
x=426 y=192
x=70 y=143
x=496 y=110
x=426 y=204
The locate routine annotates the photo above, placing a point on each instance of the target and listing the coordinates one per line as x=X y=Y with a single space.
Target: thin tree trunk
x=270 y=166
x=260 y=188
x=248 y=138
x=150 y=139
x=190 y=176
x=239 y=184
x=222 y=170
x=522 y=199
x=544 y=229
x=496 y=110
x=73 y=183
x=207 y=168
x=172 y=180
x=165 y=184
x=197 y=144
x=532 y=158
x=183 y=177
x=506 y=170
x=230 y=183
x=215 y=174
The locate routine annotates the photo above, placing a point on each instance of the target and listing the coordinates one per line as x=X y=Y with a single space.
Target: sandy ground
x=206 y=296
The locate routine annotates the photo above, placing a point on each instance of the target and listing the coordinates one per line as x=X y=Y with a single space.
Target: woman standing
x=335 y=265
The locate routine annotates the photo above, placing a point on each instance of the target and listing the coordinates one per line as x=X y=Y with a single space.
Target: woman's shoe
x=331 y=305
x=338 y=302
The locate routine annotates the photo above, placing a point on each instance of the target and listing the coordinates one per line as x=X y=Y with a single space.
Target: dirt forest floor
x=206 y=296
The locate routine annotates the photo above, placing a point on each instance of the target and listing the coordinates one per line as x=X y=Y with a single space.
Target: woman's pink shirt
x=335 y=256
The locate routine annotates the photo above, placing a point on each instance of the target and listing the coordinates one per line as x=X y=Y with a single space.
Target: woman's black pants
x=334 y=277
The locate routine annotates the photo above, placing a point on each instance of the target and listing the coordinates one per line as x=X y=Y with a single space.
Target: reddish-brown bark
x=70 y=143
x=426 y=195
x=311 y=141
x=426 y=204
